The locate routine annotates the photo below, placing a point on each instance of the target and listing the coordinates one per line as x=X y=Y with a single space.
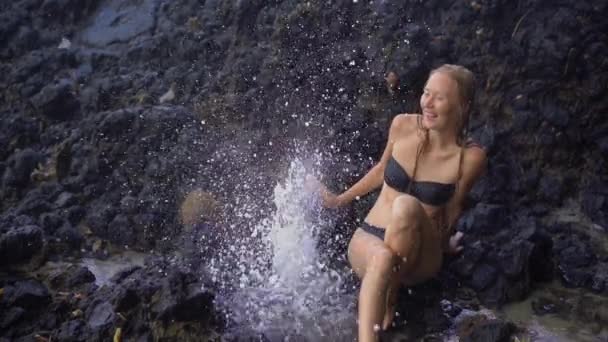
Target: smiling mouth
x=430 y=115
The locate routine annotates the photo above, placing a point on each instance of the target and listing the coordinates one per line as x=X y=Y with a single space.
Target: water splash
x=284 y=290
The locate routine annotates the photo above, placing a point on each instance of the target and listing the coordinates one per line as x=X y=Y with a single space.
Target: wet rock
x=74 y=214
x=50 y=222
x=69 y=235
x=118 y=22
x=11 y=317
x=74 y=330
x=451 y=309
x=594 y=201
x=556 y=115
x=120 y=230
x=465 y=264
x=98 y=217
x=27 y=294
x=574 y=277
x=550 y=305
x=20 y=166
x=577 y=255
x=101 y=317
x=34 y=203
x=71 y=277
x=490 y=331
x=182 y=300
x=125 y=299
x=67 y=11
x=599 y=281
x=485 y=219
x=57 y=101
x=550 y=188
x=515 y=261
x=65 y=199
x=483 y=275
x=20 y=244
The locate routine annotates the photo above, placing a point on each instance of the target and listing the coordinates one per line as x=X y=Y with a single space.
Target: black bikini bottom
x=379 y=232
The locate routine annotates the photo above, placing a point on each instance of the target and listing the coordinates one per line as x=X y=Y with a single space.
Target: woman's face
x=439 y=102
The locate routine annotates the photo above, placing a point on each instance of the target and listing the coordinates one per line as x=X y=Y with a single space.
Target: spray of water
x=284 y=291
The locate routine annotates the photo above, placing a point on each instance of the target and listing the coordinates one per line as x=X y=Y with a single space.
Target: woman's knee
x=383 y=261
x=406 y=208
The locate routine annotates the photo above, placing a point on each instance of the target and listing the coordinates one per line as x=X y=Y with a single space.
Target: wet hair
x=465 y=82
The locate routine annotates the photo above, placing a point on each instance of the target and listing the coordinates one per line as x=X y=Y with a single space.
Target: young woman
x=425 y=172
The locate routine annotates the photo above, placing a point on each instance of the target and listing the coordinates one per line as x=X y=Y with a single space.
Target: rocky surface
x=111 y=111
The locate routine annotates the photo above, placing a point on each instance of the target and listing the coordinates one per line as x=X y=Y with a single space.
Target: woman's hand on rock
x=454 y=245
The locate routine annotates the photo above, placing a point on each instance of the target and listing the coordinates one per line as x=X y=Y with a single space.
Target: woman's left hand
x=454 y=246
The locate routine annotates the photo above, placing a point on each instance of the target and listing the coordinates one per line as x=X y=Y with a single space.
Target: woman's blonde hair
x=465 y=81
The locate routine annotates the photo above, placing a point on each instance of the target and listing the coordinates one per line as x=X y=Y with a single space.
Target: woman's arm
x=473 y=166
x=375 y=176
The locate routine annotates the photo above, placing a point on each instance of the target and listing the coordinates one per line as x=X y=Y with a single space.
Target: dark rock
x=65 y=199
x=98 y=217
x=497 y=293
x=124 y=273
x=182 y=300
x=465 y=264
x=74 y=330
x=70 y=235
x=514 y=261
x=28 y=294
x=67 y=11
x=50 y=222
x=120 y=230
x=550 y=189
x=101 y=317
x=75 y=214
x=491 y=331
x=20 y=244
x=20 y=166
x=599 y=281
x=57 y=101
x=109 y=26
x=71 y=277
x=556 y=115
x=11 y=316
x=485 y=219
x=483 y=275
x=451 y=309
x=128 y=204
x=577 y=255
x=34 y=204
x=574 y=277
x=124 y=299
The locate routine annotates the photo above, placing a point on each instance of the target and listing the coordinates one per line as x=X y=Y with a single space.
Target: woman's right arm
x=375 y=176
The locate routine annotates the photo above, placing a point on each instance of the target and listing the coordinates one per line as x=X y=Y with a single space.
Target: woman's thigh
x=423 y=257
x=361 y=249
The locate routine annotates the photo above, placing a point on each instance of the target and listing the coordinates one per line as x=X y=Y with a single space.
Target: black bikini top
x=431 y=193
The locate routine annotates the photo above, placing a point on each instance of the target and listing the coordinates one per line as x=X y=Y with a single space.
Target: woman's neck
x=441 y=139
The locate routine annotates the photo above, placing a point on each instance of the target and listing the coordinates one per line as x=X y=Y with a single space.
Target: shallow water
x=105 y=269
x=554 y=327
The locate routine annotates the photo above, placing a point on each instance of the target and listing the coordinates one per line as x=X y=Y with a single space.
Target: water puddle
x=105 y=269
x=571 y=318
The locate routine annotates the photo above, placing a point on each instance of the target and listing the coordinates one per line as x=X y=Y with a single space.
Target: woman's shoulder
x=405 y=122
x=474 y=155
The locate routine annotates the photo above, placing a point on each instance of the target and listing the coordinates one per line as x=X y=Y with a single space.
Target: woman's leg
x=389 y=265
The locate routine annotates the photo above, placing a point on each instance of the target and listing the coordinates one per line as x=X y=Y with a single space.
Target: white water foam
x=294 y=296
